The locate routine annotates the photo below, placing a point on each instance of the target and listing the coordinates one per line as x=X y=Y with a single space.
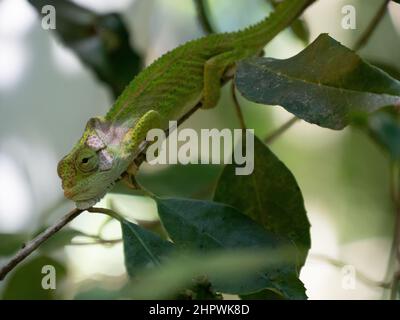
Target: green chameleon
x=164 y=91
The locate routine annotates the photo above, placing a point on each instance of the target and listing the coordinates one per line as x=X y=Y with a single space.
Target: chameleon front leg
x=136 y=135
x=214 y=70
x=132 y=140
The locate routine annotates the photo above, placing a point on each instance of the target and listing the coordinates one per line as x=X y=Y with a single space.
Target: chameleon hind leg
x=214 y=70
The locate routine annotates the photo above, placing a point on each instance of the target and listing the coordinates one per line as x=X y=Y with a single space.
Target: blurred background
x=47 y=94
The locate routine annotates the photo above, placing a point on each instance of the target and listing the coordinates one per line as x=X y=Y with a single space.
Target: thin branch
x=238 y=109
x=203 y=16
x=282 y=129
x=36 y=242
x=372 y=26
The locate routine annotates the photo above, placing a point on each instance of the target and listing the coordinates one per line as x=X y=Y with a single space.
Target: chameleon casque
x=162 y=92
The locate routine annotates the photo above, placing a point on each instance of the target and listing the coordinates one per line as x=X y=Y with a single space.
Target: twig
x=237 y=107
x=97 y=242
x=372 y=26
x=283 y=128
x=202 y=14
x=36 y=242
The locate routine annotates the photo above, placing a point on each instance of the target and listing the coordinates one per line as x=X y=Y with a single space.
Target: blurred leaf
x=225 y=266
x=60 y=240
x=142 y=248
x=10 y=243
x=324 y=84
x=26 y=281
x=301 y=31
x=263 y=295
x=97 y=293
x=100 y=41
x=270 y=196
x=298 y=27
x=203 y=226
x=384 y=128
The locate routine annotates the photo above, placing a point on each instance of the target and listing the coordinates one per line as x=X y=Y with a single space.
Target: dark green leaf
x=324 y=84
x=270 y=196
x=10 y=243
x=204 y=226
x=26 y=281
x=100 y=41
x=142 y=248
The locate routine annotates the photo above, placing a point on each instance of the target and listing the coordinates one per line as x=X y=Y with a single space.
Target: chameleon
x=164 y=91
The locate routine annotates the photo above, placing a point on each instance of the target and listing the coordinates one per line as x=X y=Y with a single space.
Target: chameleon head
x=91 y=168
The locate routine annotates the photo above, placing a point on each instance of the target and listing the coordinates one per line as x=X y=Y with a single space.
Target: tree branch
x=36 y=242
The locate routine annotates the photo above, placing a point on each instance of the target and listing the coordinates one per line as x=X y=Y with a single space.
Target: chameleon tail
x=258 y=35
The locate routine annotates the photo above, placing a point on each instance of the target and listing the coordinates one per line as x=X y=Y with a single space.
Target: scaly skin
x=164 y=91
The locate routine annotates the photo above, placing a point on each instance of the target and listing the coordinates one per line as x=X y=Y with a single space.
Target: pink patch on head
x=105 y=160
x=95 y=143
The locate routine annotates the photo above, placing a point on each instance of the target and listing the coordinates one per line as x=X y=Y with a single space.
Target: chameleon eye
x=87 y=161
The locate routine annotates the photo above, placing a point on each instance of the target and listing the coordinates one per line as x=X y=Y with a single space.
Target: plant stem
x=203 y=16
x=36 y=242
x=282 y=129
x=237 y=107
x=372 y=26
x=395 y=250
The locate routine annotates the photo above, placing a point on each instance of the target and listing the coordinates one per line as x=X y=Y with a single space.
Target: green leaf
x=142 y=248
x=384 y=128
x=206 y=226
x=10 y=243
x=220 y=266
x=100 y=41
x=26 y=281
x=324 y=84
x=270 y=196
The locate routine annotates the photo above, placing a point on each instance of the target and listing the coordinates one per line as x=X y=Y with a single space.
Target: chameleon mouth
x=90 y=202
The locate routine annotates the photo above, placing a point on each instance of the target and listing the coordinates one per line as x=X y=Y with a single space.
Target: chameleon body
x=162 y=92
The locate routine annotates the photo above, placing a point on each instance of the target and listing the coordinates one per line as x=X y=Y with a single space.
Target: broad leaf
x=142 y=248
x=207 y=226
x=324 y=84
x=270 y=196
x=100 y=41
